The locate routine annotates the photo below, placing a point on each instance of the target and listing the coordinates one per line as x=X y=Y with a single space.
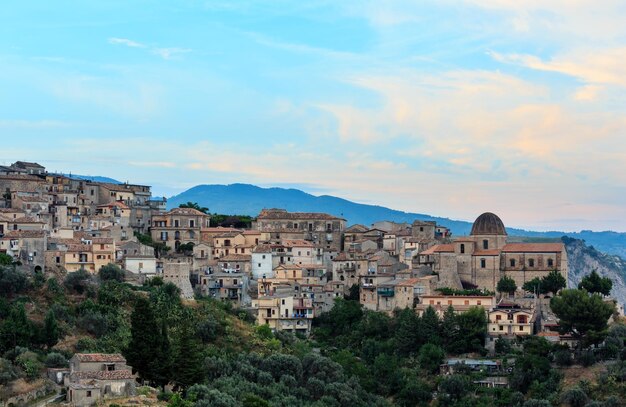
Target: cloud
x=127 y=42
x=165 y=53
x=600 y=66
x=170 y=53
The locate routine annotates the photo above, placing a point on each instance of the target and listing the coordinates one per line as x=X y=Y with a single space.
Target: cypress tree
x=145 y=339
x=51 y=329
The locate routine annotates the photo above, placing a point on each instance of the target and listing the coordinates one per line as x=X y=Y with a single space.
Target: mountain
x=94 y=178
x=245 y=199
x=583 y=259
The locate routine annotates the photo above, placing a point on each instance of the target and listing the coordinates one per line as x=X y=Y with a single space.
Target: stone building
x=323 y=230
x=484 y=257
x=179 y=226
x=97 y=376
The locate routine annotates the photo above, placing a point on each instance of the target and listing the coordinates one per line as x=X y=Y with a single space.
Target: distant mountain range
x=94 y=178
x=245 y=199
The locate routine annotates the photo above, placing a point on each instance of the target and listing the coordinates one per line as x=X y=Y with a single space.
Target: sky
x=450 y=108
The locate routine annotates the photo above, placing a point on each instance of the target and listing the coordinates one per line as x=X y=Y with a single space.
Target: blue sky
x=444 y=107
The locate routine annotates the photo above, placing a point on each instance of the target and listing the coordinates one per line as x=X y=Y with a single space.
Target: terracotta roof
x=79 y=248
x=296 y=243
x=15 y=234
x=282 y=214
x=103 y=375
x=186 y=211
x=533 y=247
x=102 y=240
x=32 y=199
x=251 y=232
x=410 y=282
x=100 y=357
x=492 y=252
x=27 y=219
x=358 y=228
x=440 y=248
x=236 y=257
x=27 y=164
x=262 y=248
x=219 y=229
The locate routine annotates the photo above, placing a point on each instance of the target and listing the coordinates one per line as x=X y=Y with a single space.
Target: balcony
x=385 y=292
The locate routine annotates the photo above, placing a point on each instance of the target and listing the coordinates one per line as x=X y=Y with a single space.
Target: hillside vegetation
x=213 y=355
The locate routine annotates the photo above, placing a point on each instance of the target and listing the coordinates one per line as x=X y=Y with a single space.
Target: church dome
x=488 y=224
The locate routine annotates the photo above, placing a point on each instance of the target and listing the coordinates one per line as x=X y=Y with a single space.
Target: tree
x=593 y=283
x=5 y=259
x=111 y=272
x=473 y=329
x=407 y=331
x=51 y=330
x=533 y=286
x=12 y=281
x=145 y=339
x=582 y=314
x=430 y=326
x=430 y=357
x=450 y=330
x=194 y=205
x=506 y=285
x=188 y=366
x=553 y=282
x=77 y=281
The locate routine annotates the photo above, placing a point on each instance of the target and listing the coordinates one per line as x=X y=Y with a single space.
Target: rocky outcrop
x=583 y=259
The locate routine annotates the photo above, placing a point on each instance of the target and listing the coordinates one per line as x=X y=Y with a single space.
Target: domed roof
x=488 y=224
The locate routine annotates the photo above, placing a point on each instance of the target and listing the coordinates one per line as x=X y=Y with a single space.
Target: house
x=97 y=376
x=510 y=320
x=460 y=303
x=27 y=246
x=285 y=311
x=179 y=226
x=29 y=168
x=323 y=230
x=227 y=286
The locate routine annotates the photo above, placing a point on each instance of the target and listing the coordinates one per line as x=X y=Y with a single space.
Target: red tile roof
x=100 y=357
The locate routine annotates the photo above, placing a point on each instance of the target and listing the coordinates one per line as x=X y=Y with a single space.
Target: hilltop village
x=287 y=269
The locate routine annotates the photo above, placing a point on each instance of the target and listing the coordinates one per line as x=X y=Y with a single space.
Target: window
x=263 y=257
x=483 y=263
x=449 y=302
x=192 y=223
x=485 y=244
x=421 y=228
x=550 y=263
x=176 y=223
x=498 y=317
x=466 y=302
x=88 y=393
x=462 y=249
x=478 y=302
x=531 y=262
x=512 y=262
x=501 y=328
x=259 y=265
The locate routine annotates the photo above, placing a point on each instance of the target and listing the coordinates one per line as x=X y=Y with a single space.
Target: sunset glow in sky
x=450 y=108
